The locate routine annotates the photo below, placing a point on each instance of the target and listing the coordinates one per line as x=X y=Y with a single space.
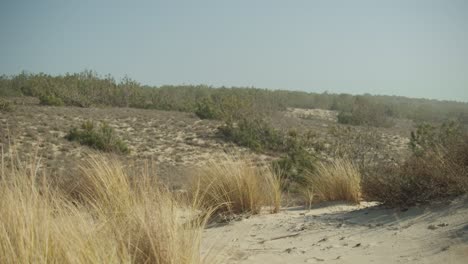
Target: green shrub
x=50 y=100
x=258 y=135
x=296 y=161
x=206 y=109
x=253 y=133
x=102 y=138
x=346 y=118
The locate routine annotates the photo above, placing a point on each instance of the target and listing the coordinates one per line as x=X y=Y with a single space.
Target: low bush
x=206 y=109
x=101 y=138
x=434 y=171
x=254 y=133
x=258 y=135
x=51 y=100
x=365 y=112
x=234 y=186
x=338 y=180
x=418 y=180
x=295 y=161
x=427 y=137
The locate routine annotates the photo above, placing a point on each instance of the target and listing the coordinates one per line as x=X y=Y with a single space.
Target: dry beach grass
x=338 y=180
x=110 y=218
x=234 y=186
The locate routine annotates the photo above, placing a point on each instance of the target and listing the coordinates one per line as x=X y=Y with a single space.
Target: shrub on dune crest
x=234 y=186
x=437 y=174
x=338 y=180
x=114 y=220
x=438 y=168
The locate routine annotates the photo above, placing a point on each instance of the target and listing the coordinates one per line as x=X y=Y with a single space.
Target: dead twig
x=279 y=237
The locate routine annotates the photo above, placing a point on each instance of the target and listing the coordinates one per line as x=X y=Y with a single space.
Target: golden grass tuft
x=115 y=219
x=338 y=180
x=233 y=186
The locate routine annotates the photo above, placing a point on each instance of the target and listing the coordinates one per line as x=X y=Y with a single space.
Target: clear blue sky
x=416 y=48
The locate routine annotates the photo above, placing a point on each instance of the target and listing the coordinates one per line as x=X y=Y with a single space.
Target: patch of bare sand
x=323 y=114
x=339 y=233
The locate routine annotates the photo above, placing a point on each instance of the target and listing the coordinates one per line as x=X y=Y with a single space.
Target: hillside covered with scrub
x=95 y=170
x=88 y=89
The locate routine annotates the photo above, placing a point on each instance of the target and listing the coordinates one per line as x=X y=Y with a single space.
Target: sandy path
x=337 y=233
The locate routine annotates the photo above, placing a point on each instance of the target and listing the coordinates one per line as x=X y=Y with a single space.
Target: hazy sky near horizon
x=416 y=48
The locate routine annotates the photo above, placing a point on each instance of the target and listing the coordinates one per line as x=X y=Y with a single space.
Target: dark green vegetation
x=254 y=133
x=100 y=138
x=296 y=161
x=50 y=99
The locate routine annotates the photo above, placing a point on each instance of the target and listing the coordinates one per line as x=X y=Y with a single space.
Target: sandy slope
x=337 y=233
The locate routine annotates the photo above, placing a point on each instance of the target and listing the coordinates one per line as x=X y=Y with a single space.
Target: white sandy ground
x=340 y=233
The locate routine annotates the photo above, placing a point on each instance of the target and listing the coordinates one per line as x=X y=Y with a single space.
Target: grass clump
x=6 y=106
x=234 y=186
x=101 y=138
x=338 y=180
x=112 y=218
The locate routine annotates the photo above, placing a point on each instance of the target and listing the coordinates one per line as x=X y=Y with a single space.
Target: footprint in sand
x=314 y=260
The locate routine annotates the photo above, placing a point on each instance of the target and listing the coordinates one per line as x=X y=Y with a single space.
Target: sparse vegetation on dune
x=234 y=186
x=108 y=213
x=110 y=219
x=107 y=216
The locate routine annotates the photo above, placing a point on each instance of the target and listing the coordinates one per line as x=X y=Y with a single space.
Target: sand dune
x=340 y=233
